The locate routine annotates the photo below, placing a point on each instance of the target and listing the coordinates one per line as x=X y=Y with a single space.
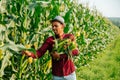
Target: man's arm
x=41 y=51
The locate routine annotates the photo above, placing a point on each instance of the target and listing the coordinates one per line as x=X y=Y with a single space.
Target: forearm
x=40 y=52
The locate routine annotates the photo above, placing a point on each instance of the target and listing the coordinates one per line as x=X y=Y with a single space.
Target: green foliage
x=105 y=66
x=25 y=24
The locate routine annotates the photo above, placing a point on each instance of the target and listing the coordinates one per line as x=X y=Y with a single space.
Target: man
x=62 y=66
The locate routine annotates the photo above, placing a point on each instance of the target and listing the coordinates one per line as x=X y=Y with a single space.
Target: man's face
x=57 y=27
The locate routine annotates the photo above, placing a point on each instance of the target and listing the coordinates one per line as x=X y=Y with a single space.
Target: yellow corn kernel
x=13 y=34
x=1 y=43
x=27 y=46
x=30 y=60
x=22 y=40
x=78 y=34
x=36 y=45
x=62 y=7
x=1 y=54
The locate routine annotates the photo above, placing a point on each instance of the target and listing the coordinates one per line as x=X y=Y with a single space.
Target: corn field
x=25 y=24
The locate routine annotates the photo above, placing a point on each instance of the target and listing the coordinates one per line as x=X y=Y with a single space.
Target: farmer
x=62 y=66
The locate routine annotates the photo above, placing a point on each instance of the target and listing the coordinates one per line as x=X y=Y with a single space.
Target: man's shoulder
x=50 y=39
x=71 y=36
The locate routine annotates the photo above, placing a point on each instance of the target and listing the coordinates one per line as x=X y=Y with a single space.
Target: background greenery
x=115 y=20
x=105 y=66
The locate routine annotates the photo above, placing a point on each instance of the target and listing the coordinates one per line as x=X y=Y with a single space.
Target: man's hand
x=27 y=53
x=55 y=55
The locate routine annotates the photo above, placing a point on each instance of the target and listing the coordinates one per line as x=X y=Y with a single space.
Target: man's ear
x=63 y=25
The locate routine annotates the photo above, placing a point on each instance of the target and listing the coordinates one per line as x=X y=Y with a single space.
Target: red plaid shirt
x=63 y=66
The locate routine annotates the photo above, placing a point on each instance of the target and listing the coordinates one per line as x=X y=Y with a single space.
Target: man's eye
x=55 y=26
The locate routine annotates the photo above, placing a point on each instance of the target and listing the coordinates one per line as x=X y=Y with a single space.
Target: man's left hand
x=55 y=55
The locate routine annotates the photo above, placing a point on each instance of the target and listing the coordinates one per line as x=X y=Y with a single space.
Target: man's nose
x=53 y=27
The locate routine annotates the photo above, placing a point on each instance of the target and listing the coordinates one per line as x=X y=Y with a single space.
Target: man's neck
x=60 y=36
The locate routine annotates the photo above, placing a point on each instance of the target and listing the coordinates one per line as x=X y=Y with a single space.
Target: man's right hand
x=27 y=53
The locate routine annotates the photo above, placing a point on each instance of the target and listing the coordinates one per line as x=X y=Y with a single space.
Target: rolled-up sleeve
x=75 y=52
